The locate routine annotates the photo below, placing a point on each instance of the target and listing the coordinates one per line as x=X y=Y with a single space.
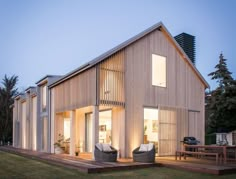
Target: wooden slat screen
x=112 y=80
x=167 y=131
x=173 y=127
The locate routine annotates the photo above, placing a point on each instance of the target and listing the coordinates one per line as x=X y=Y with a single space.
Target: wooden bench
x=180 y=153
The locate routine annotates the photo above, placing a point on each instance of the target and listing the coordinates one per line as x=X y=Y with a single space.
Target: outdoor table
x=222 y=148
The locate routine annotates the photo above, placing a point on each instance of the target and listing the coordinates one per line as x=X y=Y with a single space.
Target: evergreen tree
x=7 y=92
x=221 y=102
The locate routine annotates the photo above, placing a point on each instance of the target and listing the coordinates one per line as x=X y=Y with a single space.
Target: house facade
x=144 y=90
x=31 y=124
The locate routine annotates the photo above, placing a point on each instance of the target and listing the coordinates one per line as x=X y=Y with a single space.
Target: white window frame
x=159 y=70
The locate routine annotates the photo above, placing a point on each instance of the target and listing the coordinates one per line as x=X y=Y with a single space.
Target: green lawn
x=14 y=166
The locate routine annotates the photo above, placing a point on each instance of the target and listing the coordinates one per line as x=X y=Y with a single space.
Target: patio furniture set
x=145 y=153
x=192 y=148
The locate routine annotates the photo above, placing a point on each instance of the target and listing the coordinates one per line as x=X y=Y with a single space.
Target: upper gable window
x=158 y=70
x=44 y=97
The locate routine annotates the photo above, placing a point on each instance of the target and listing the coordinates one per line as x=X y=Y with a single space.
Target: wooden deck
x=203 y=165
x=85 y=163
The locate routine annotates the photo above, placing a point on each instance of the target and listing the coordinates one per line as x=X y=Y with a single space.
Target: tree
x=7 y=93
x=221 y=102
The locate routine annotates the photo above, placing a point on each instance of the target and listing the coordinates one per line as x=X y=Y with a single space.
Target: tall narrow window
x=158 y=70
x=44 y=97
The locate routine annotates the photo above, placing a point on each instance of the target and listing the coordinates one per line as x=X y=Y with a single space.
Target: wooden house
x=144 y=90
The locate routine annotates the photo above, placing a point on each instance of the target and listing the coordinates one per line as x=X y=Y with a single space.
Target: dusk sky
x=56 y=36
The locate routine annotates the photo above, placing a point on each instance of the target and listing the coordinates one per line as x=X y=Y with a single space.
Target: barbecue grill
x=190 y=141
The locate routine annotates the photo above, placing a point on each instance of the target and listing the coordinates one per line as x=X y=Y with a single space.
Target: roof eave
x=125 y=44
x=185 y=56
x=107 y=54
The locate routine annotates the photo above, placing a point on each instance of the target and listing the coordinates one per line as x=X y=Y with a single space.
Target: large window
x=158 y=70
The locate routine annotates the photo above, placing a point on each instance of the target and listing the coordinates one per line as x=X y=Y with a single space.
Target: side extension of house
x=30 y=117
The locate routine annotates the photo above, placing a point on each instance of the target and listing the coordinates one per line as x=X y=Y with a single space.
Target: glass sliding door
x=88 y=132
x=104 y=129
x=151 y=126
x=105 y=126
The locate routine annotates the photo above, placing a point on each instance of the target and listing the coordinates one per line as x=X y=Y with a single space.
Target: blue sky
x=57 y=36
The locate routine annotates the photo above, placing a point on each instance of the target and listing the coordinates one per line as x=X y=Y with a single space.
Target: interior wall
x=80 y=127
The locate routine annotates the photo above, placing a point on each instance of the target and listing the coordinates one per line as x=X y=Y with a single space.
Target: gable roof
x=45 y=78
x=105 y=55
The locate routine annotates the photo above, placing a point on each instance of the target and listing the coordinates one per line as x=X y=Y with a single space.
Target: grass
x=14 y=166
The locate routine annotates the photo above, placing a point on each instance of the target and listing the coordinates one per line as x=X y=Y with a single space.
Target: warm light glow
x=34 y=113
x=105 y=126
x=150 y=113
x=66 y=128
x=158 y=70
x=150 y=125
x=88 y=131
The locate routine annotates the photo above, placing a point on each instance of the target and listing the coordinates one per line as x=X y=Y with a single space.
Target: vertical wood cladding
x=184 y=89
x=77 y=92
x=112 y=80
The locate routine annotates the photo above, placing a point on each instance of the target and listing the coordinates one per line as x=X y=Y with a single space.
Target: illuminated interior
x=151 y=126
x=88 y=132
x=66 y=128
x=105 y=126
x=104 y=129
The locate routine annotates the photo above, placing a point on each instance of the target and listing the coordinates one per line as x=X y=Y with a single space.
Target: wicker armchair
x=144 y=157
x=105 y=156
